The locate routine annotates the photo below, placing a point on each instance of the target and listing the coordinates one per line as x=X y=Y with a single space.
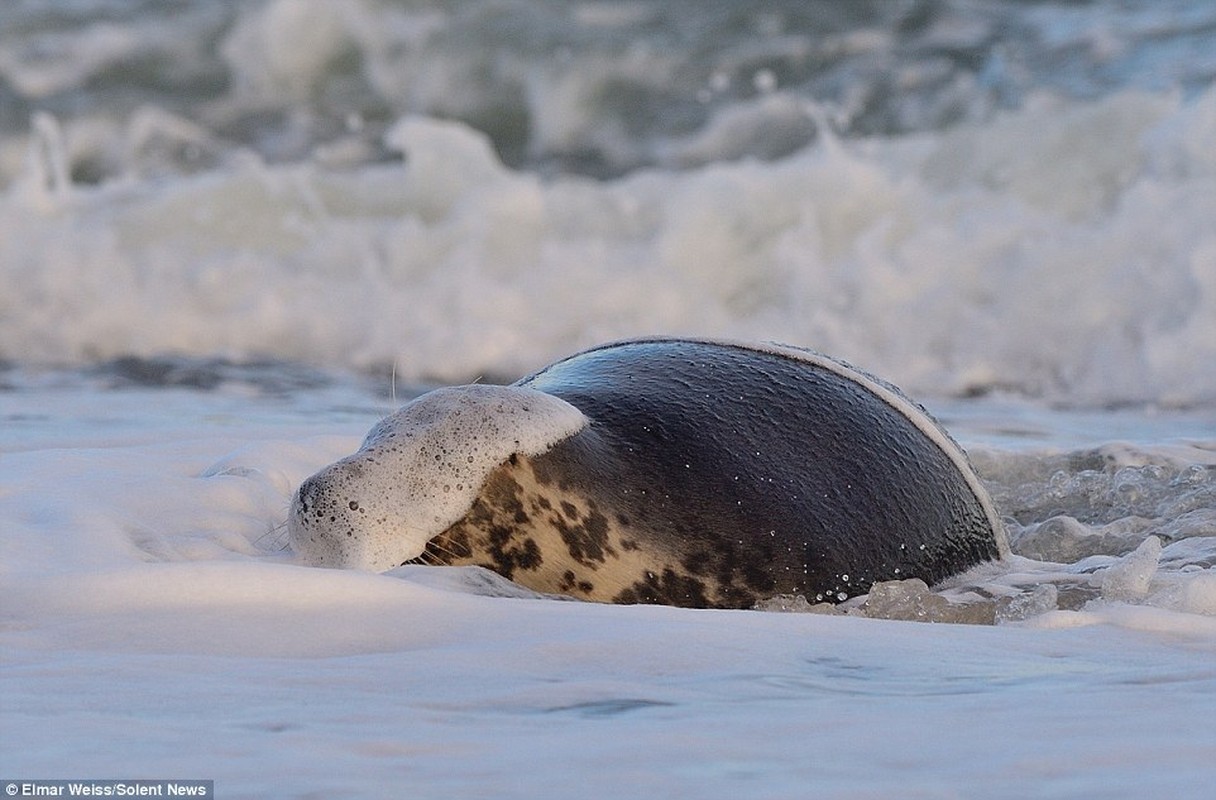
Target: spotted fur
x=553 y=539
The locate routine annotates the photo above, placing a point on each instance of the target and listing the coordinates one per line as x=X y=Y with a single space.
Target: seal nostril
x=305 y=494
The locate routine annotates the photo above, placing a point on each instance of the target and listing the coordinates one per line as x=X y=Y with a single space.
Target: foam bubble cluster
x=1103 y=502
x=419 y=471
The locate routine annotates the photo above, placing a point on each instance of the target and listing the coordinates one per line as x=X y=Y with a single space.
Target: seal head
x=418 y=472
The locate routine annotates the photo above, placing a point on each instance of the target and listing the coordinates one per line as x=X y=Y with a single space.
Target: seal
x=684 y=472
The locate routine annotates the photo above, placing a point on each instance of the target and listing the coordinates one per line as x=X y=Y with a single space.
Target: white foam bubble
x=418 y=472
x=1199 y=594
x=281 y=51
x=1129 y=578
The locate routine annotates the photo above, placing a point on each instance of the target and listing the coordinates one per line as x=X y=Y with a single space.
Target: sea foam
x=955 y=262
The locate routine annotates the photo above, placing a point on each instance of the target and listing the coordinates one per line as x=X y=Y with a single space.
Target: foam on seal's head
x=419 y=471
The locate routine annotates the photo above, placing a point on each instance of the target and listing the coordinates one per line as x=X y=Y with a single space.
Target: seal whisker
x=434 y=555
x=426 y=559
x=438 y=548
x=274 y=540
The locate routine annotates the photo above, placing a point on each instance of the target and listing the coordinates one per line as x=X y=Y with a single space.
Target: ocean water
x=234 y=235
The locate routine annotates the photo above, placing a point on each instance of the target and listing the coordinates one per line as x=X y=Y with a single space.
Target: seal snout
x=326 y=521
